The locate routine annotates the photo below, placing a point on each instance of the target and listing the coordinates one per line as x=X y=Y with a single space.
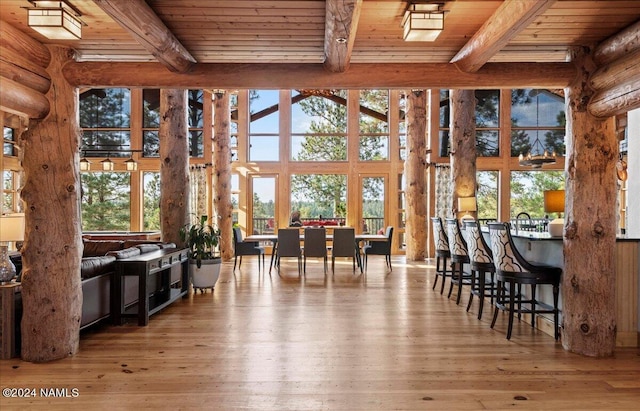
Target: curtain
x=444 y=191
x=198 y=182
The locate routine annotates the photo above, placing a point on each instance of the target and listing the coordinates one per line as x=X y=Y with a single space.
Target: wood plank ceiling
x=287 y=31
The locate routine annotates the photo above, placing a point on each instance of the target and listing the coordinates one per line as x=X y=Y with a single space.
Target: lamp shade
x=467 y=204
x=54 y=20
x=12 y=227
x=554 y=201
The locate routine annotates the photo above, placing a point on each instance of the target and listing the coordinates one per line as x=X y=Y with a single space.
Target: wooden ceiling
x=284 y=31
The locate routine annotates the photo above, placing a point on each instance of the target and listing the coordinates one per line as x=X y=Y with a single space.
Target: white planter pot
x=207 y=275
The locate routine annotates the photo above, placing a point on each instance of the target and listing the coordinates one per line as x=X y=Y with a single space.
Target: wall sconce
x=11 y=229
x=55 y=20
x=85 y=164
x=131 y=164
x=107 y=165
x=467 y=205
x=554 y=203
x=423 y=21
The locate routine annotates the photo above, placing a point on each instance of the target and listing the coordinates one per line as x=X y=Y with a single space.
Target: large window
x=373 y=212
x=374 y=125
x=537 y=122
x=319 y=125
x=105 y=201
x=105 y=120
x=527 y=191
x=151 y=199
x=264 y=125
x=488 y=123
x=317 y=195
x=487 y=195
x=263 y=204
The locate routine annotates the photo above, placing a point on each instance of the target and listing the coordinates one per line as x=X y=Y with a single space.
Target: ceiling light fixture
x=423 y=21
x=56 y=20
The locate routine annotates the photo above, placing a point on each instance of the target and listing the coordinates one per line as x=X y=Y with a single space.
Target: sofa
x=97 y=271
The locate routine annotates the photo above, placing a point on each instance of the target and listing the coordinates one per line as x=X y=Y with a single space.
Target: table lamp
x=11 y=229
x=467 y=205
x=554 y=203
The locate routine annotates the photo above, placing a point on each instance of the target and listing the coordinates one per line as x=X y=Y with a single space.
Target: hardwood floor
x=380 y=341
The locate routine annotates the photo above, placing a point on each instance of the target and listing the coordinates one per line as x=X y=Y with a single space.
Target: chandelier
x=537 y=156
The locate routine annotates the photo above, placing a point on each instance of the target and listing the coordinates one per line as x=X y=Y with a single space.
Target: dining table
x=273 y=238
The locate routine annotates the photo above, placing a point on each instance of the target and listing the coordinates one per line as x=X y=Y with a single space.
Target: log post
x=588 y=281
x=52 y=251
x=174 y=163
x=463 y=146
x=222 y=172
x=416 y=177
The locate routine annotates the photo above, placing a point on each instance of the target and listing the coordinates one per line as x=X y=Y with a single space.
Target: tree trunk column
x=588 y=282
x=415 y=175
x=463 y=146
x=174 y=163
x=52 y=251
x=222 y=172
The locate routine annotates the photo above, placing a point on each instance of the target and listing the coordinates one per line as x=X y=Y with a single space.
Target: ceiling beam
x=314 y=76
x=507 y=22
x=145 y=26
x=341 y=24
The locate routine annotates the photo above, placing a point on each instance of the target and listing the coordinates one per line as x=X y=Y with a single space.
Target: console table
x=157 y=287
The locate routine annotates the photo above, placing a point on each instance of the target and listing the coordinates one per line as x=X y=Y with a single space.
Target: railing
x=522 y=224
x=266 y=225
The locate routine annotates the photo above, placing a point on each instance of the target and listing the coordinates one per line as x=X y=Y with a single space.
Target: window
x=374 y=125
x=373 y=212
x=487 y=195
x=9 y=141
x=151 y=199
x=264 y=204
x=264 y=125
x=527 y=190
x=319 y=126
x=9 y=191
x=105 y=201
x=537 y=122
x=105 y=121
x=487 y=123
x=402 y=126
x=316 y=195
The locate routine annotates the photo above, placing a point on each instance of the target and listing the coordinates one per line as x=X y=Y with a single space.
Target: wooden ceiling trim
x=314 y=76
x=341 y=25
x=139 y=19
x=510 y=19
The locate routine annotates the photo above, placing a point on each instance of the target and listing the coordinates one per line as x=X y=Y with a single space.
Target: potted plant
x=202 y=241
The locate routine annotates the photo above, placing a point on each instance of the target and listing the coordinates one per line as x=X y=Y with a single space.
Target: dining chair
x=481 y=264
x=241 y=247
x=442 y=252
x=513 y=270
x=380 y=248
x=459 y=256
x=315 y=245
x=344 y=245
x=288 y=245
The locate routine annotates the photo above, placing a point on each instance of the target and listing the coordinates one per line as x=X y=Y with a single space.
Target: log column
x=463 y=145
x=588 y=283
x=416 y=178
x=222 y=172
x=174 y=163
x=52 y=251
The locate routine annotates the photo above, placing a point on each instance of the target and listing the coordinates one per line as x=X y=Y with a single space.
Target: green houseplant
x=202 y=240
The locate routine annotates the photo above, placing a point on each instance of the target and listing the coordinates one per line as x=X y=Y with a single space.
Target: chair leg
x=511 y=308
x=435 y=279
x=453 y=274
x=481 y=288
x=444 y=274
x=234 y=262
x=499 y=296
x=461 y=268
x=473 y=284
x=556 y=330
x=533 y=306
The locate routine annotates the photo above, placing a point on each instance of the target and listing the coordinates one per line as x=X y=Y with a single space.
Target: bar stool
x=442 y=252
x=459 y=256
x=481 y=263
x=513 y=269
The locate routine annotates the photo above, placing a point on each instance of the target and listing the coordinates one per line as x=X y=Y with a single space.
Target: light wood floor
x=381 y=341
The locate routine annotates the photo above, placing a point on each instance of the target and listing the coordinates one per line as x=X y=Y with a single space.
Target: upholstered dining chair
x=380 y=248
x=241 y=247
x=481 y=264
x=513 y=270
x=344 y=245
x=315 y=245
x=459 y=256
x=288 y=245
x=442 y=252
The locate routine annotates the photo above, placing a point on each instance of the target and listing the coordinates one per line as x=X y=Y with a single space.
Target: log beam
x=174 y=163
x=588 y=280
x=415 y=176
x=137 y=17
x=314 y=76
x=23 y=70
x=341 y=24
x=17 y=41
x=52 y=251
x=223 y=208
x=618 y=45
x=21 y=100
x=616 y=72
x=507 y=22
x=616 y=100
x=463 y=145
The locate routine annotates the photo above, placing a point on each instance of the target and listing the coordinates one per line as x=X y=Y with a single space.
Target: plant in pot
x=202 y=240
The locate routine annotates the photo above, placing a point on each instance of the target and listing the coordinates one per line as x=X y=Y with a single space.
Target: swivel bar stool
x=512 y=269
x=459 y=256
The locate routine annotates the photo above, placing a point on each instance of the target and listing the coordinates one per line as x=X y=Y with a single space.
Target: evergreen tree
x=105 y=201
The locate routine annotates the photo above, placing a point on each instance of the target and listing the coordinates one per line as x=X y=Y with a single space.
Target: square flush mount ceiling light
x=56 y=20
x=423 y=21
